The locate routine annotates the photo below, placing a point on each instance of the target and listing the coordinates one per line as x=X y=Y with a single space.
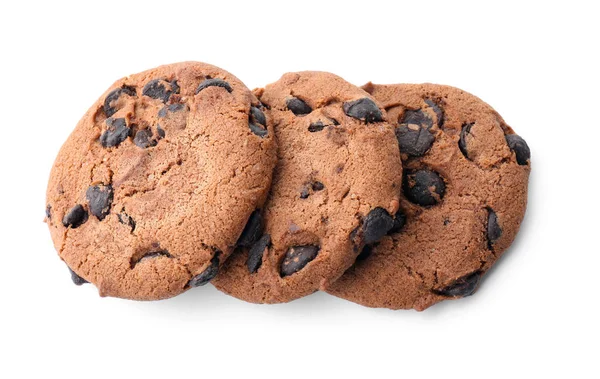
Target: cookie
x=154 y=187
x=464 y=194
x=336 y=187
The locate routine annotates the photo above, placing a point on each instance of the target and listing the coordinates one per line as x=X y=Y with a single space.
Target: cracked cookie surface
x=336 y=187
x=155 y=185
x=464 y=195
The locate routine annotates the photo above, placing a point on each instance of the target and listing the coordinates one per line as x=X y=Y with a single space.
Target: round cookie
x=155 y=185
x=335 y=188
x=464 y=196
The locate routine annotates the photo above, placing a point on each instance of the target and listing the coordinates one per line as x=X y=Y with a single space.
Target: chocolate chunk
x=49 y=212
x=399 y=222
x=150 y=255
x=257 y=116
x=357 y=238
x=365 y=253
x=208 y=274
x=174 y=86
x=176 y=107
x=297 y=106
x=116 y=133
x=214 y=83
x=319 y=125
x=75 y=217
x=316 y=127
x=363 y=109
x=414 y=140
x=257 y=122
x=78 y=280
x=258 y=130
x=376 y=225
x=461 y=287
x=114 y=95
x=423 y=187
x=417 y=117
x=318 y=186
x=439 y=113
x=296 y=258
x=256 y=252
x=172 y=108
x=125 y=219
x=99 y=200
x=160 y=89
x=493 y=228
x=160 y=132
x=462 y=141
x=315 y=186
x=252 y=231
x=519 y=146
x=143 y=138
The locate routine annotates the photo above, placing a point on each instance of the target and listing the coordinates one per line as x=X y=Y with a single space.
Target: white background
x=537 y=311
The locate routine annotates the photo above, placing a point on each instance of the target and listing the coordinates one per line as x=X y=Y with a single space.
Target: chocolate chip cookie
x=336 y=188
x=154 y=187
x=464 y=194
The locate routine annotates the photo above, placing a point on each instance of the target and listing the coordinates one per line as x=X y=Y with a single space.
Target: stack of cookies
x=396 y=196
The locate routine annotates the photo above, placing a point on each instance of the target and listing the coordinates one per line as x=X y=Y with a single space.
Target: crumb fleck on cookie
x=464 y=195
x=336 y=188
x=155 y=185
